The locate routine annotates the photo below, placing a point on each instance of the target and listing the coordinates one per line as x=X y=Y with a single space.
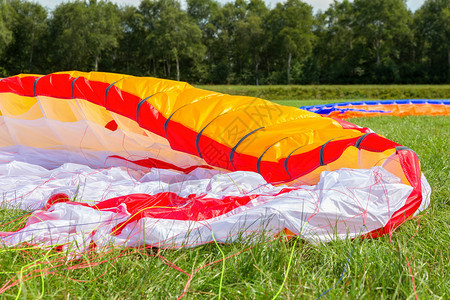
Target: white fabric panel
x=345 y=203
x=426 y=195
x=28 y=186
x=83 y=139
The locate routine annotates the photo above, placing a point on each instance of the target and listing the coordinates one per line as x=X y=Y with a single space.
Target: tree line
x=245 y=42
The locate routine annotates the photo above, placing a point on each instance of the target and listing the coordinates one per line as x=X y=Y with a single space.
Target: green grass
x=334 y=92
x=305 y=102
x=378 y=269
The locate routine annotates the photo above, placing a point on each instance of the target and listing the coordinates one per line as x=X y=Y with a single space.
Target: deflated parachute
x=107 y=159
x=405 y=107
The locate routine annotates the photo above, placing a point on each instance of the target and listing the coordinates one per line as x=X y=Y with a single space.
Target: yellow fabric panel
x=63 y=110
x=5 y=136
x=189 y=100
x=392 y=164
x=369 y=159
x=233 y=116
x=33 y=113
x=300 y=132
x=311 y=178
x=164 y=102
x=127 y=124
x=15 y=105
x=252 y=111
x=37 y=135
x=28 y=75
x=144 y=87
x=169 y=100
x=288 y=139
x=95 y=76
x=203 y=111
x=141 y=87
x=94 y=113
x=348 y=159
x=351 y=158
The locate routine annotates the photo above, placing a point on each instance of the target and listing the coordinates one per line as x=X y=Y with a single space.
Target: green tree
x=28 y=26
x=291 y=25
x=5 y=26
x=335 y=57
x=250 y=38
x=207 y=15
x=432 y=31
x=202 y=11
x=82 y=31
x=171 y=32
x=228 y=61
x=384 y=28
x=130 y=55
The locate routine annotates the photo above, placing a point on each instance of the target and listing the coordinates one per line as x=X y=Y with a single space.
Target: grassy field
x=412 y=262
x=335 y=92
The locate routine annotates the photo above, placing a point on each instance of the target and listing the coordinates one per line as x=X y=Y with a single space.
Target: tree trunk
x=31 y=52
x=289 y=68
x=448 y=55
x=168 y=68
x=378 y=46
x=178 y=68
x=96 y=63
x=256 y=73
x=165 y=68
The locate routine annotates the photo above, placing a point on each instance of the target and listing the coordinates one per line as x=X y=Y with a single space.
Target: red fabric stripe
x=333 y=150
x=156 y=163
x=182 y=138
x=112 y=125
x=150 y=117
x=167 y=205
x=301 y=164
x=411 y=167
x=173 y=207
x=55 y=85
x=274 y=171
x=20 y=86
x=121 y=102
x=376 y=143
x=93 y=91
x=348 y=125
x=215 y=153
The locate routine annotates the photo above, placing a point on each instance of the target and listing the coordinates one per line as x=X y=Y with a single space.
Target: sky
x=316 y=4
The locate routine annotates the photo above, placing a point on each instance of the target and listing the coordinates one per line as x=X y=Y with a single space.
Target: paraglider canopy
x=163 y=163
